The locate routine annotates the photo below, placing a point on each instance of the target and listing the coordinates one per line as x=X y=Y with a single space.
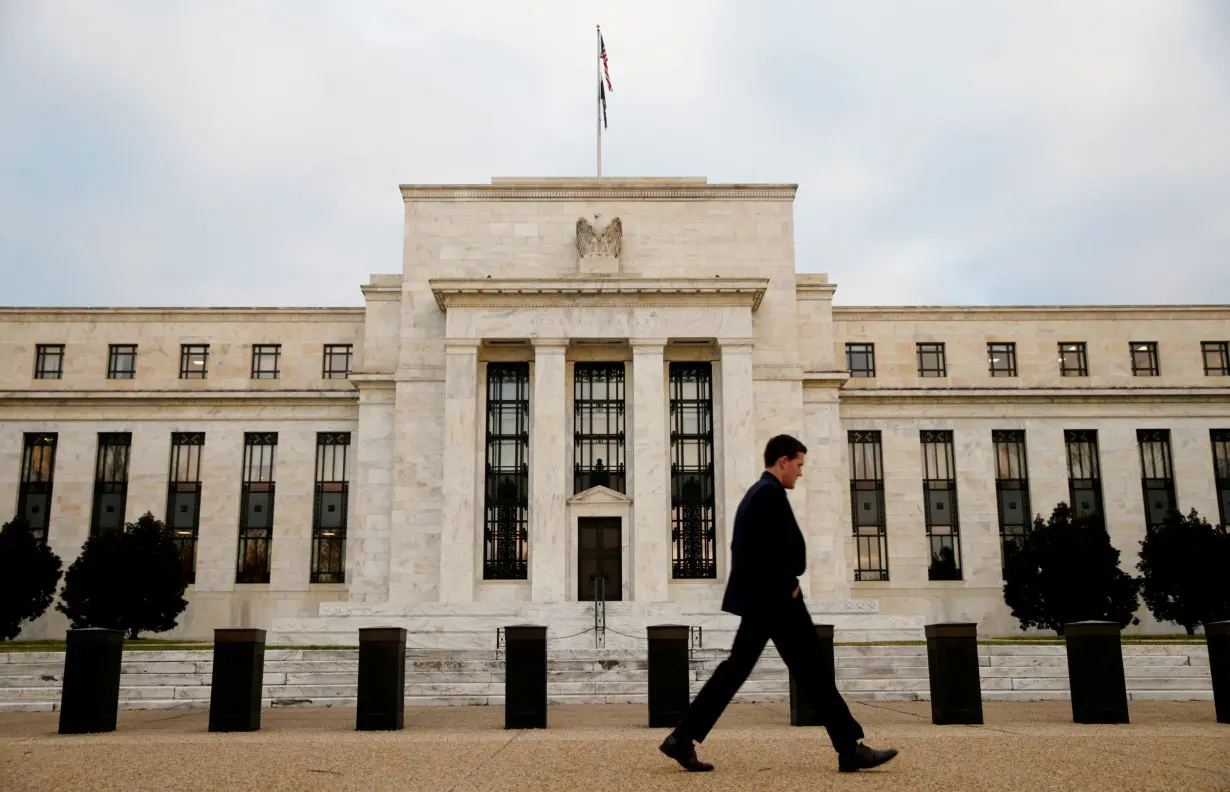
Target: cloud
x=249 y=153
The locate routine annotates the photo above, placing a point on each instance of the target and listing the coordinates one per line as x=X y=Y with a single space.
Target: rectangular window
x=38 y=464
x=1011 y=489
x=861 y=360
x=110 y=482
x=184 y=496
x=337 y=361
x=49 y=361
x=1072 y=359
x=265 y=360
x=931 y=361
x=1002 y=359
x=940 y=492
x=1084 y=474
x=1216 y=358
x=1220 y=439
x=193 y=361
x=1144 y=359
x=598 y=427
x=329 y=511
x=122 y=361
x=693 y=511
x=507 y=473
x=256 y=507
x=1156 y=475
x=867 y=506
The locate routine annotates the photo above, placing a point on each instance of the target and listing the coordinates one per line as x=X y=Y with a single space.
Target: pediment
x=600 y=495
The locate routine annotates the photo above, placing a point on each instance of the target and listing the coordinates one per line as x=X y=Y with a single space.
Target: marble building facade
x=432 y=459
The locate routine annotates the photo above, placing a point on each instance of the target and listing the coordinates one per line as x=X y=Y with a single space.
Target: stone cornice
x=597 y=292
x=181 y=314
x=1017 y=313
x=1032 y=395
x=591 y=190
x=825 y=379
x=164 y=397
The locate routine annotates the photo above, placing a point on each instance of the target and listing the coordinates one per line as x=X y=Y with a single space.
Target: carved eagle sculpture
x=604 y=242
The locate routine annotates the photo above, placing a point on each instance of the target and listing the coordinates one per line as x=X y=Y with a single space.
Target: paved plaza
x=1023 y=746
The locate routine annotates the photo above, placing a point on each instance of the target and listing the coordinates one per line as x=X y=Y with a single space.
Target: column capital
x=647 y=344
x=736 y=346
x=462 y=345
x=549 y=344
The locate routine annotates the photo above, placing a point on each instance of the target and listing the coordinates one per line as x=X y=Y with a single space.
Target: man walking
x=767 y=556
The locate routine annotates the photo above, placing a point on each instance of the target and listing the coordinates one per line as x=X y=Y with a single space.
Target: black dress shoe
x=683 y=752
x=862 y=758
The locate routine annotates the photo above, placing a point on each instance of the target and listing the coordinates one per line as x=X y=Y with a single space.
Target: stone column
x=367 y=537
x=457 y=515
x=651 y=523
x=741 y=458
x=548 y=482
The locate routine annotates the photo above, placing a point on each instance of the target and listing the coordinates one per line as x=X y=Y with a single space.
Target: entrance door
x=598 y=559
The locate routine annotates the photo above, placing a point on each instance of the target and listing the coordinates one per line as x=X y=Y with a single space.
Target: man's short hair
x=782 y=446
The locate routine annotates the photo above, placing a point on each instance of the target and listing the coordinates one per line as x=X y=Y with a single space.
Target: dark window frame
x=1219 y=439
x=866 y=452
x=1011 y=480
x=599 y=392
x=1081 y=350
x=940 y=476
x=110 y=479
x=938 y=352
x=184 y=483
x=42 y=354
x=118 y=353
x=332 y=484
x=260 y=352
x=187 y=352
x=1084 y=471
x=868 y=361
x=693 y=500
x=328 y=369
x=255 y=545
x=1222 y=350
x=507 y=473
x=1156 y=475
x=37 y=481
x=1005 y=366
x=1152 y=365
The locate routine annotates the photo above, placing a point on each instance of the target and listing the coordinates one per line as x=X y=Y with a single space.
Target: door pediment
x=600 y=495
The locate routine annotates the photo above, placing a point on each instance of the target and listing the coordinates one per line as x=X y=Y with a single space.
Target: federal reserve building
x=550 y=410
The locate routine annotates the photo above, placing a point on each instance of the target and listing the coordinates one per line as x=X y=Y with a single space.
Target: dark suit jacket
x=767 y=552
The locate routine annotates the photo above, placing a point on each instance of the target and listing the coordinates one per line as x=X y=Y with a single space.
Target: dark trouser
x=793 y=633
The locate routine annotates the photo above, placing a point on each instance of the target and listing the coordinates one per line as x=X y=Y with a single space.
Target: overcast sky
x=220 y=152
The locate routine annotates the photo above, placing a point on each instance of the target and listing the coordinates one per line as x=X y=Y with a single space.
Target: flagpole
x=598 y=98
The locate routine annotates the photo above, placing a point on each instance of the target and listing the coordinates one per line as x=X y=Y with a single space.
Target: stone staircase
x=30 y=681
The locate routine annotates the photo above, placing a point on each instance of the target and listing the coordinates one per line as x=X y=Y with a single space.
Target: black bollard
x=525 y=677
x=802 y=710
x=1217 y=636
x=1095 y=672
x=382 y=679
x=669 y=675
x=952 y=667
x=238 y=676
x=90 y=695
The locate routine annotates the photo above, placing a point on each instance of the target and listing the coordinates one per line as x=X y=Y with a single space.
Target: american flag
x=606 y=70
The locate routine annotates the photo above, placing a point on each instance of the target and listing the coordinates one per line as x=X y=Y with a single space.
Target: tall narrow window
x=265 y=361
x=940 y=492
x=49 y=361
x=38 y=464
x=1002 y=359
x=1156 y=475
x=256 y=507
x=861 y=360
x=337 y=361
x=598 y=427
x=1144 y=359
x=693 y=513
x=329 y=512
x=506 y=496
x=193 y=361
x=1216 y=358
x=110 y=482
x=184 y=496
x=1221 y=471
x=867 y=506
x=1011 y=489
x=1073 y=362
x=1084 y=474
x=122 y=361
x=931 y=361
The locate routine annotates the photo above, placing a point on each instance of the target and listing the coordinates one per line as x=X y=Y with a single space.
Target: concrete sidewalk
x=1023 y=746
